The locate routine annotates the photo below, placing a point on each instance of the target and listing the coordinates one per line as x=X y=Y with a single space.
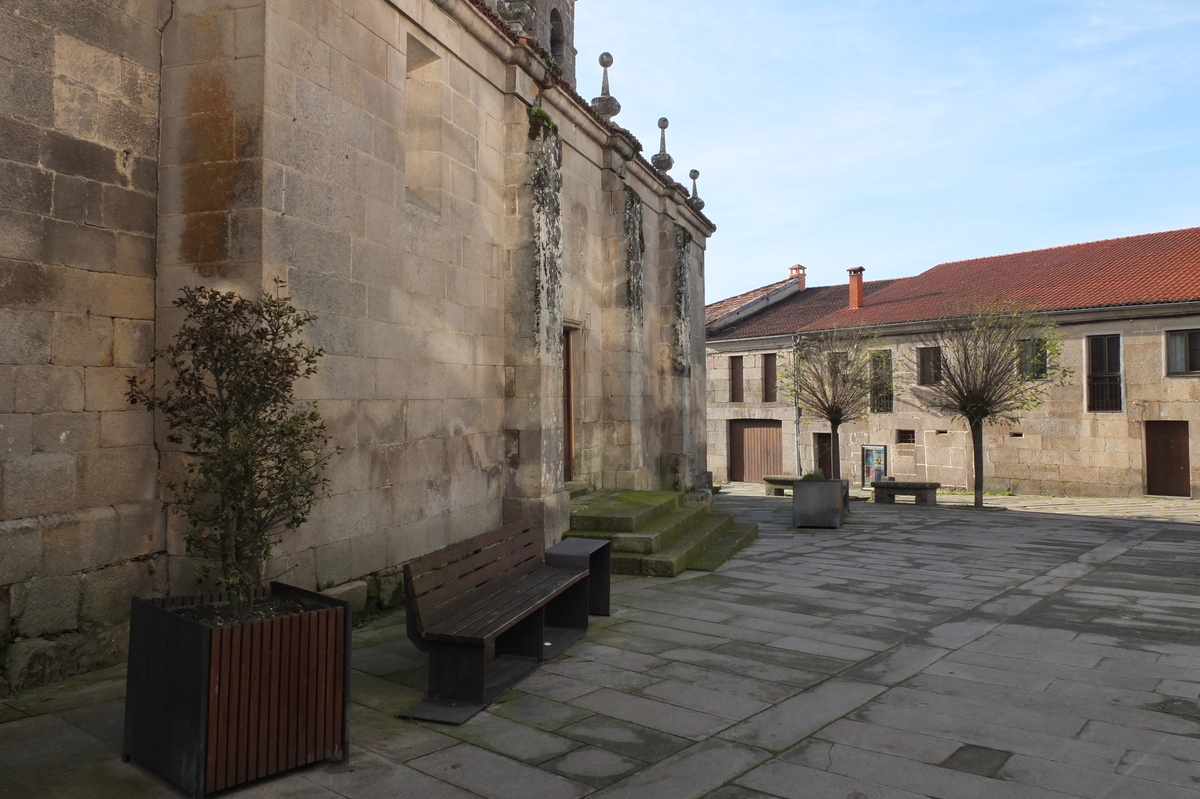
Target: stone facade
x=1059 y=448
x=380 y=158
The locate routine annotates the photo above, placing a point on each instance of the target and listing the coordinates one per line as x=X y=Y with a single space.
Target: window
x=1104 y=373
x=881 y=381
x=1183 y=352
x=770 y=378
x=1034 y=359
x=735 y=379
x=558 y=39
x=906 y=436
x=929 y=366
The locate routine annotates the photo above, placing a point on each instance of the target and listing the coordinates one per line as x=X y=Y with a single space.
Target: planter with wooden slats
x=210 y=708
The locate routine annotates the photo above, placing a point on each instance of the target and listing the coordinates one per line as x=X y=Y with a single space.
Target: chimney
x=856 y=287
x=795 y=272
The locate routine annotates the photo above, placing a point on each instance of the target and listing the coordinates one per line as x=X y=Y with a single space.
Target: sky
x=899 y=134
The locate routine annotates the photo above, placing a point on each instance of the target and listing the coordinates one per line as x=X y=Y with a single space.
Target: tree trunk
x=977 y=452
x=835 y=453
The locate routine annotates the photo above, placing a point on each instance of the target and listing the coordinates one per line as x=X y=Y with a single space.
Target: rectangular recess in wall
x=770 y=378
x=736 y=389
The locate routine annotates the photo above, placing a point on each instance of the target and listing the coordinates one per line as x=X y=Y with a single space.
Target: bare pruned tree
x=986 y=368
x=829 y=377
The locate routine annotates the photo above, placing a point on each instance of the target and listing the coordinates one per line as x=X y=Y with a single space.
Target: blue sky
x=899 y=134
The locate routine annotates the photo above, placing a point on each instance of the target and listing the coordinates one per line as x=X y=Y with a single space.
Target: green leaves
x=255 y=456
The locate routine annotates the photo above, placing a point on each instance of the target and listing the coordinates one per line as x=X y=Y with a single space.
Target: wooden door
x=1168 y=467
x=568 y=408
x=823 y=444
x=755 y=449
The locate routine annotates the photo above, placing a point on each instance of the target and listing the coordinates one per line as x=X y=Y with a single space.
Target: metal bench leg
x=570 y=608
x=525 y=639
x=456 y=672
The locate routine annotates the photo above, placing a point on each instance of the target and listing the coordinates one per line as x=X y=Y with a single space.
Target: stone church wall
x=80 y=528
x=379 y=158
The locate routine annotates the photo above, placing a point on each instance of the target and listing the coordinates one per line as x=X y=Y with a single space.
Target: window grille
x=882 y=396
x=1104 y=374
x=929 y=366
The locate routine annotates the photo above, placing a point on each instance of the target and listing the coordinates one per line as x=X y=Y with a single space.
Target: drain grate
x=980 y=760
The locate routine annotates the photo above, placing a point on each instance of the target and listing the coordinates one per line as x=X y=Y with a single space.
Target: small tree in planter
x=203 y=689
x=255 y=458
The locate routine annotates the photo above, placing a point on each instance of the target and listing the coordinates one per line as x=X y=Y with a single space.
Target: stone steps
x=739 y=535
x=621 y=511
x=657 y=533
x=654 y=535
x=678 y=555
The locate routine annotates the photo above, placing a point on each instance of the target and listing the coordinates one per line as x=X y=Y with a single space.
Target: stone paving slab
x=1043 y=650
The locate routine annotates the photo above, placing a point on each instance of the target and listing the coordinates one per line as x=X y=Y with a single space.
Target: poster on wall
x=874 y=464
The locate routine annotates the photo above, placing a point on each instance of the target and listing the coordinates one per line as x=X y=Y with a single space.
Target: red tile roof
x=797 y=312
x=1138 y=270
x=718 y=309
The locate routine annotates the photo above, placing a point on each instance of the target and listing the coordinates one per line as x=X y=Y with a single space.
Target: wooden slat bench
x=487 y=611
x=923 y=493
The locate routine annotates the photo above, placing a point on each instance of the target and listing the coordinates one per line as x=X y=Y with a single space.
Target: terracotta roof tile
x=796 y=312
x=718 y=309
x=1138 y=270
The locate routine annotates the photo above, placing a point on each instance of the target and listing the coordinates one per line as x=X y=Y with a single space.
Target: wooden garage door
x=755 y=449
x=1168 y=470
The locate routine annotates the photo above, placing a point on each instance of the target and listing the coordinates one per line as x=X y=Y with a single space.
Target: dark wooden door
x=755 y=449
x=823 y=443
x=568 y=408
x=1168 y=467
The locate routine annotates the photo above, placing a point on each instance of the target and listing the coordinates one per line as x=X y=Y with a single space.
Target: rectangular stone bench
x=886 y=491
x=777 y=483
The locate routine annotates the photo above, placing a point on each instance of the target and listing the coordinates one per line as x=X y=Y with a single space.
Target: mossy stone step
x=620 y=511
x=724 y=548
x=655 y=535
x=675 y=557
x=577 y=488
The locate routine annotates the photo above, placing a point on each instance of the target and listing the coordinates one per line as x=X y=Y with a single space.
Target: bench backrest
x=440 y=583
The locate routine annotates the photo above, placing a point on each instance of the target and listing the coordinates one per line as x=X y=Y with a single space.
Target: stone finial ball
x=663 y=123
x=606 y=60
x=695 y=173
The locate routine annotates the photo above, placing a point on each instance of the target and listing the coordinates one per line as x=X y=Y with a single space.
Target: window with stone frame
x=737 y=390
x=1183 y=352
x=1104 y=373
x=1034 y=359
x=882 y=395
x=770 y=378
x=929 y=366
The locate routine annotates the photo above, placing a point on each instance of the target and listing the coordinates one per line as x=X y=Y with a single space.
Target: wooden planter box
x=818 y=504
x=209 y=708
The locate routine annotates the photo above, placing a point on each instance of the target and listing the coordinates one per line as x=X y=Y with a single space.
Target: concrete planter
x=819 y=504
x=210 y=708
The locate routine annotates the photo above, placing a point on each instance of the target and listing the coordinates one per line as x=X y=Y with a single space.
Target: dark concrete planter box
x=818 y=504
x=207 y=709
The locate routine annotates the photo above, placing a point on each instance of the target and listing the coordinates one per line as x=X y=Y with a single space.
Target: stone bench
x=888 y=490
x=776 y=483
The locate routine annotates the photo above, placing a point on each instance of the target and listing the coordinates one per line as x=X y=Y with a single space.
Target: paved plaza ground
x=1043 y=649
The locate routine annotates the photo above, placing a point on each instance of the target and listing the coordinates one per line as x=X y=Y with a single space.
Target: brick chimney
x=795 y=272
x=856 y=287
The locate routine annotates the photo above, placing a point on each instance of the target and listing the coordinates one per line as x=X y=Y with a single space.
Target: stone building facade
x=1128 y=427
x=508 y=299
